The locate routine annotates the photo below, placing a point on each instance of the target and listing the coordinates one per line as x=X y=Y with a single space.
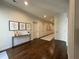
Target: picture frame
x=22 y=26
x=13 y=25
x=28 y=26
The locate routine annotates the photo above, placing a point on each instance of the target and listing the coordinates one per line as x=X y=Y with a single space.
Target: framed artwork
x=13 y=25
x=28 y=26
x=22 y=26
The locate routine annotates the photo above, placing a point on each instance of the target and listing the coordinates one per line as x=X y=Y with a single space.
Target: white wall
x=61 y=27
x=8 y=12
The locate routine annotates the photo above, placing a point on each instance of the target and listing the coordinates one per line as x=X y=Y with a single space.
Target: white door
x=35 y=30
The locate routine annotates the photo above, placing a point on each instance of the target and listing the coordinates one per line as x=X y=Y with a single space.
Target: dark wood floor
x=36 y=49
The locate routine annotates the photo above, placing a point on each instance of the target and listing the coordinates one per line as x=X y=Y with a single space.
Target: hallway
x=21 y=21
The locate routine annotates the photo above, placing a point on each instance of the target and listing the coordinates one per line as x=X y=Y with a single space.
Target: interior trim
x=15 y=46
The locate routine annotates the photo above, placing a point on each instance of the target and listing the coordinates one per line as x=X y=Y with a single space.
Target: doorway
x=35 y=30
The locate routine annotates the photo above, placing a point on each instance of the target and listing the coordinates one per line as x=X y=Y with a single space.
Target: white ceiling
x=42 y=7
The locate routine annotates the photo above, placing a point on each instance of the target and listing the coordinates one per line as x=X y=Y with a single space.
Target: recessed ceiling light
x=26 y=3
x=45 y=16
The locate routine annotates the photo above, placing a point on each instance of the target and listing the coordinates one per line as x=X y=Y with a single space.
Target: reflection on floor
x=3 y=55
x=36 y=49
x=48 y=38
x=39 y=49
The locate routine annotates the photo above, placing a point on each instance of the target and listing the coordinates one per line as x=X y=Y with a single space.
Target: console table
x=13 y=37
